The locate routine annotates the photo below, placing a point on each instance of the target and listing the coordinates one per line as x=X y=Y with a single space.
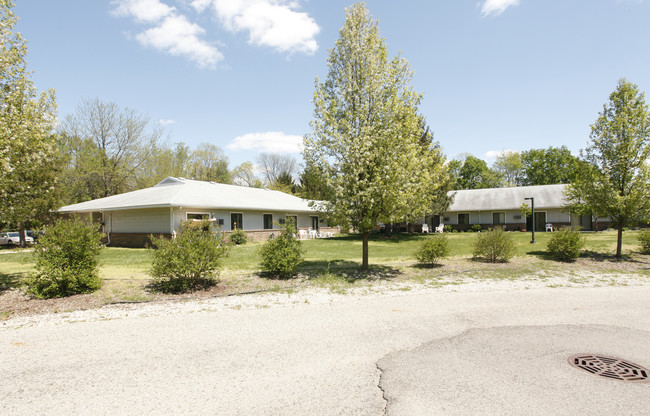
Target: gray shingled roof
x=180 y=192
x=546 y=196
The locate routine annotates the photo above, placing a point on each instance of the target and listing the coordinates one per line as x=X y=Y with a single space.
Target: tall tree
x=29 y=156
x=510 y=167
x=273 y=166
x=244 y=175
x=116 y=144
x=209 y=163
x=614 y=181
x=474 y=173
x=548 y=166
x=366 y=133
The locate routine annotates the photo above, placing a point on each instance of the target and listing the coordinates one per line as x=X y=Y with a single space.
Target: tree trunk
x=619 y=241
x=21 y=234
x=364 y=265
x=389 y=229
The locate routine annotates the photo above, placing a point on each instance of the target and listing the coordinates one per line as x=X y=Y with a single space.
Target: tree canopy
x=614 y=180
x=366 y=134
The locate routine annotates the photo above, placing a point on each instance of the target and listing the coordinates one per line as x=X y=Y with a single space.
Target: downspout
x=171 y=223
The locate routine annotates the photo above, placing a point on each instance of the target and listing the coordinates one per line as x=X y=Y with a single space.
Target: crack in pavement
x=383 y=392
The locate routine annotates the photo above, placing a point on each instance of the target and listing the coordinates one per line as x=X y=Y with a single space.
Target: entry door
x=540 y=221
x=314 y=223
x=236 y=222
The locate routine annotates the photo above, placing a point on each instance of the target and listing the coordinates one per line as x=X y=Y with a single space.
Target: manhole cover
x=610 y=367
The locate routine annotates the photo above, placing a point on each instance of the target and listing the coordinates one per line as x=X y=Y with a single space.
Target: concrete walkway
x=438 y=353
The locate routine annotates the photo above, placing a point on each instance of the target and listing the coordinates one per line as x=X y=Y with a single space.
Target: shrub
x=66 y=260
x=447 y=228
x=191 y=261
x=644 y=239
x=282 y=254
x=566 y=244
x=494 y=245
x=476 y=228
x=238 y=237
x=432 y=249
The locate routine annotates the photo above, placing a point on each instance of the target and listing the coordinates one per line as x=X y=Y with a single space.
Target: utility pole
x=532 y=207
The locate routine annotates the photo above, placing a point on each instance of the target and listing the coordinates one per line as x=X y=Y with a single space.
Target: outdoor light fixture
x=532 y=208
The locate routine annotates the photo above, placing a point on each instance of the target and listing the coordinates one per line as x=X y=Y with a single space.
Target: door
x=314 y=223
x=236 y=222
x=540 y=221
x=585 y=222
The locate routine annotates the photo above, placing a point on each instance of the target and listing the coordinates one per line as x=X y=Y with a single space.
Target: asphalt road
x=440 y=353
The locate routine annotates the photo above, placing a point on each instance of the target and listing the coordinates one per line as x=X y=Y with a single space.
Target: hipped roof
x=181 y=192
x=499 y=199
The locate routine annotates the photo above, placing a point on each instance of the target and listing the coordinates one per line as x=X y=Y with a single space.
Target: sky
x=495 y=75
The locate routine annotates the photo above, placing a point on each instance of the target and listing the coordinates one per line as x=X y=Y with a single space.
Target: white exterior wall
x=253 y=220
x=485 y=217
x=154 y=220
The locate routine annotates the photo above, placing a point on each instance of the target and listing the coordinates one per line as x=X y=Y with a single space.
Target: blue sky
x=496 y=74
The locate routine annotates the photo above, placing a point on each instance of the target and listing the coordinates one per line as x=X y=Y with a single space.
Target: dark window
x=498 y=218
x=236 y=222
x=463 y=219
x=268 y=221
x=198 y=216
x=293 y=219
x=314 y=223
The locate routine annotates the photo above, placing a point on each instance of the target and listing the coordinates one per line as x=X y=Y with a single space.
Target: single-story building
x=128 y=219
x=502 y=207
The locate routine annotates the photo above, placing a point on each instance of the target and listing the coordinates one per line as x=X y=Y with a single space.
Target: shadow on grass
x=602 y=257
x=10 y=281
x=427 y=266
x=382 y=237
x=181 y=285
x=349 y=271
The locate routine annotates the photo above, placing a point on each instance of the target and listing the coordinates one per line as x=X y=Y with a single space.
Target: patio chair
x=425 y=228
x=302 y=234
x=440 y=228
x=549 y=227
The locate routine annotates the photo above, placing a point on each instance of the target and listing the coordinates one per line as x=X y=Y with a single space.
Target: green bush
x=191 y=261
x=494 y=245
x=447 y=228
x=432 y=249
x=644 y=239
x=238 y=237
x=66 y=260
x=476 y=228
x=282 y=255
x=565 y=244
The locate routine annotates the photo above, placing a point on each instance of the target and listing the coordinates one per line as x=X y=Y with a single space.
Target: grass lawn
x=335 y=262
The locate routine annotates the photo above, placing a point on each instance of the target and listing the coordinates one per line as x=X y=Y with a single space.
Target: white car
x=13 y=238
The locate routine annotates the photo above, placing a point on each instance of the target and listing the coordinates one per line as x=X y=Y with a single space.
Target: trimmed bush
x=565 y=244
x=189 y=262
x=282 y=255
x=447 y=228
x=66 y=260
x=238 y=237
x=494 y=245
x=476 y=228
x=644 y=240
x=432 y=249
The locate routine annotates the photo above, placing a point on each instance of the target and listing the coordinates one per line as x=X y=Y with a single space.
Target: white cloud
x=150 y=11
x=274 y=23
x=173 y=32
x=180 y=37
x=166 y=122
x=271 y=141
x=491 y=155
x=496 y=7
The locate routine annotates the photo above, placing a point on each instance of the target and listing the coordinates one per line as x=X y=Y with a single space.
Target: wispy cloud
x=491 y=155
x=271 y=141
x=166 y=122
x=172 y=33
x=496 y=7
x=274 y=23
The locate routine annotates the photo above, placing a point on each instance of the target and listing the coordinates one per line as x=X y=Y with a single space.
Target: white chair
x=302 y=234
x=440 y=228
x=549 y=227
x=313 y=234
x=425 y=228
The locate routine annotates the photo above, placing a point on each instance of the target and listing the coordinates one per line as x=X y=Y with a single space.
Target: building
x=129 y=219
x=502 y=207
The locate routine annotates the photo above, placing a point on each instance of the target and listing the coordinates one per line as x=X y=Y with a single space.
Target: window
x=314 y=223
x=268 y=221
x=463 y=219
x=498 y=218
x=236 y=222
x=197 y=216
x=293 y=219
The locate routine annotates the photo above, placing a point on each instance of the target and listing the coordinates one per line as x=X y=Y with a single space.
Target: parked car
x=34 y=234
x=13 y=239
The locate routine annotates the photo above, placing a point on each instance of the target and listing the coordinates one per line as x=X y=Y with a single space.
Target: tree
x=614 y=181
x=510 y=167
x=108 y=146
x=29 y=156
x=366 y=134
x=313 y=185
x=273 y=166
x=244 y=175
x=548 y=166
x=209 y=163
x=474 y=173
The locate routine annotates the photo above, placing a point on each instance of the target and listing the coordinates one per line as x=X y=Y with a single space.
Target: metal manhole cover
x=610 y=367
